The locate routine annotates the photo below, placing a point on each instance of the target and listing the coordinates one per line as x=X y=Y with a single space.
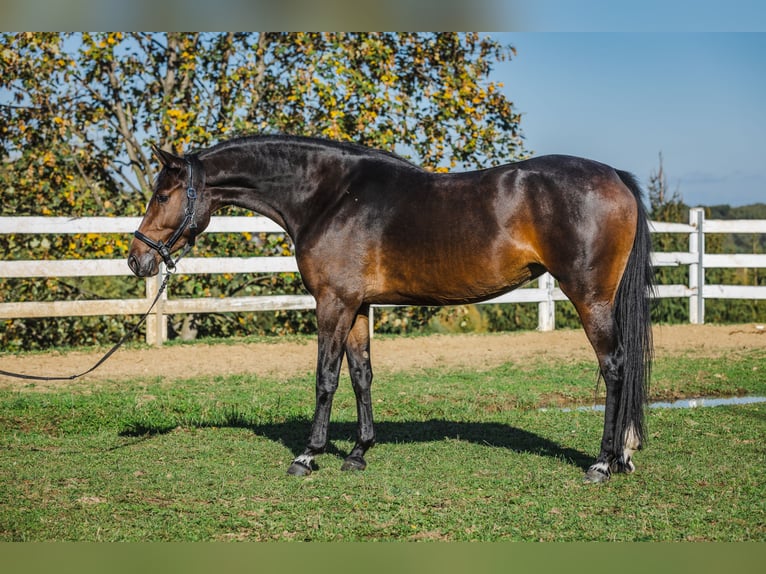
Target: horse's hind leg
x=360 y=368
x=598 y=321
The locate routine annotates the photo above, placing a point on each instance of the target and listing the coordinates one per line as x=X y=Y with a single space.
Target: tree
x=668 y=206
x=665 y=205
x=77 y=112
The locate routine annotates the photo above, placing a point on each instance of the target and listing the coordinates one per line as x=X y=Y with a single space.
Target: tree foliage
x=82 y=107
x=77 y=112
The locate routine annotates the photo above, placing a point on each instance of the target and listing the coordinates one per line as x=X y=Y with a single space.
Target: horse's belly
x=448 y=284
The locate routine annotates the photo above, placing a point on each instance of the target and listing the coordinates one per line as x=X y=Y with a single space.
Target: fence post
x=546 y=318
x=371 y=320
x=697 y=269
x=156 y=321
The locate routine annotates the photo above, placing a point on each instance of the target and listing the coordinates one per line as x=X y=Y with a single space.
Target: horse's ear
x=168 y=159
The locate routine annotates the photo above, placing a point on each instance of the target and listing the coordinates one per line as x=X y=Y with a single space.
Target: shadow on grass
x=294 y=432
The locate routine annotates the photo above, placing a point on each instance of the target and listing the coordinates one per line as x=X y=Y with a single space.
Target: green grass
x=461 y=456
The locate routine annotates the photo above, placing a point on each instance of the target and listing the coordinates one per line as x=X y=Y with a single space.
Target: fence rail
x=546 y=294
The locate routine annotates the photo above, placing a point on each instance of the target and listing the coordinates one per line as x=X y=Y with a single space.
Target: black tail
x=632 y=317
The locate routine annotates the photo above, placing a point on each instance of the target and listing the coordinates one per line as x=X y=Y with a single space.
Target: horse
x=369 y=227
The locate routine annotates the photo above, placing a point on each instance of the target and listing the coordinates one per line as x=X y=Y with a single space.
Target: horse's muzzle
x=144 y=265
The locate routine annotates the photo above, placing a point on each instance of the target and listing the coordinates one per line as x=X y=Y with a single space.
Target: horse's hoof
x=623 y=467
x=299 y=469
x=354 y=464
x=597 y=473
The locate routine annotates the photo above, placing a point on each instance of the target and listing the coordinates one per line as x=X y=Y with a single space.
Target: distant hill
x=724 y=211
x=740 y=242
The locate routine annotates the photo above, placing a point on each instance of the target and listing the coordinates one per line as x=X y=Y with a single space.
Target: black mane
x=348 y=148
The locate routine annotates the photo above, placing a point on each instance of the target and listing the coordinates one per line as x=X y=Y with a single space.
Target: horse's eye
x=162 y=198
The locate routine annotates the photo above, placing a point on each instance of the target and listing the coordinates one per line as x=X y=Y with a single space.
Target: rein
x=190 y=222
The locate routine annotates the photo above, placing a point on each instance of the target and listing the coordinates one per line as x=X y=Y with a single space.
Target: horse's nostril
x=133 y=264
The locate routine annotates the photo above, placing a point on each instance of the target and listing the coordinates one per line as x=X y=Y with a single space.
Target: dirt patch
x=289 y=359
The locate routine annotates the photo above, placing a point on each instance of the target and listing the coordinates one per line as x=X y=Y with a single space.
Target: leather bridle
x=189 y=222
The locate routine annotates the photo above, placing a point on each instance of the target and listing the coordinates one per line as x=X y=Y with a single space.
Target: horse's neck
x=281 y=183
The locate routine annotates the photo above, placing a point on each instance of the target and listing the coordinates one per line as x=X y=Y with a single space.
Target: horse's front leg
x=334 y=322
x=360 y=368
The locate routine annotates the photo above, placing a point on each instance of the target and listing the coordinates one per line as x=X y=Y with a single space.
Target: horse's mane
x=349 y=148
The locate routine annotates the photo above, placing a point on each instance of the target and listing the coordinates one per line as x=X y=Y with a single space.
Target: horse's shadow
x=293 y=433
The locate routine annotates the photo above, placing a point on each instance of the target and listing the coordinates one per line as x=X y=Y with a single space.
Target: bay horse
x=369 y=227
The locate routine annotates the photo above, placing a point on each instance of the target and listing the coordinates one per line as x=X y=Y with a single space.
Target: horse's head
x=175 y=214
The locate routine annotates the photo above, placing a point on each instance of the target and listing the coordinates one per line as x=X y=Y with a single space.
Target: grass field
x=461 y=455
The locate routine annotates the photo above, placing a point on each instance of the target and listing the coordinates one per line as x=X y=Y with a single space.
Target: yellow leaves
x=388 y=79
x=111 y=39
x=333 y=132
x=95 y=245
x=48 y=159
x=181 y=126
x=9 y=57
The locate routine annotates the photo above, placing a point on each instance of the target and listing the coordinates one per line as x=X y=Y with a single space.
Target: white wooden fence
x=545 y=294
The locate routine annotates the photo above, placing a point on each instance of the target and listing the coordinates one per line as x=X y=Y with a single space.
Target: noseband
x=189 y=221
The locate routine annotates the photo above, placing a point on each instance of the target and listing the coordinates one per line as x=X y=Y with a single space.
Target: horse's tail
x=633 y=321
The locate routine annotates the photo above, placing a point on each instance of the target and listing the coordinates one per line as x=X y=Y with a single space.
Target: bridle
x=189 y=222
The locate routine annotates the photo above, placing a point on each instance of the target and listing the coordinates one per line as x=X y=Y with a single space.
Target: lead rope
x=111 y=351
x=190 y=220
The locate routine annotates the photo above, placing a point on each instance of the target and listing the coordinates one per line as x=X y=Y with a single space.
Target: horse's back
x=414 y=237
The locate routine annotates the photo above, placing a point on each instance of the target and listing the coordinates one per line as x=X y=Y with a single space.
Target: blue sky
x=622 y=98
